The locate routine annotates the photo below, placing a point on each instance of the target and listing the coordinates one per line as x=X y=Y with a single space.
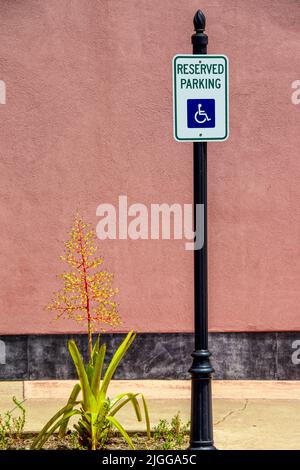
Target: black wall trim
x=252 y=356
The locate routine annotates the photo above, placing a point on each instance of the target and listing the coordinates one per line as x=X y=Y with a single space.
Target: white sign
x=200 y=87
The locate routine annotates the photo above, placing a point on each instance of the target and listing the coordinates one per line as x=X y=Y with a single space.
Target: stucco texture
x=89 y=117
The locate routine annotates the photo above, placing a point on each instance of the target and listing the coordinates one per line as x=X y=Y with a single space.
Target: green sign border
x=200 y=56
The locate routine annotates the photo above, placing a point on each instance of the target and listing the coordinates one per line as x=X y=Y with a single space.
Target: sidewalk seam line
x=232 y=412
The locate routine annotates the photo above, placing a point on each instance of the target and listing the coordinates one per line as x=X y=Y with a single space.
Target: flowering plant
x=87 y=294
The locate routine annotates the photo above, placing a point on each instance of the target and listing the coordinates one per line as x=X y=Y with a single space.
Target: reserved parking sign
x=200 y=87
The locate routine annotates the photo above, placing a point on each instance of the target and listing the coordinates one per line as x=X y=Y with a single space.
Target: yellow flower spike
x=86 y=296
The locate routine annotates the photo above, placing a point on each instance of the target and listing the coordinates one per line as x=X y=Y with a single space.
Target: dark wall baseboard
x=243 y=356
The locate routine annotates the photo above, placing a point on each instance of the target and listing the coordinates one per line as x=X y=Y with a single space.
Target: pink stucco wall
x=89 y=117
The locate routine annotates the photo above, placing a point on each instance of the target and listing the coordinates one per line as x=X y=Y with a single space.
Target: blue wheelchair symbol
x=201 y=113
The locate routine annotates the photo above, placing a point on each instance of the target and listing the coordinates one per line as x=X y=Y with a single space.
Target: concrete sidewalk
x=247 y=415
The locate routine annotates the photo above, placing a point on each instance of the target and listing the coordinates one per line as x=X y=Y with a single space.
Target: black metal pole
x=201 y=437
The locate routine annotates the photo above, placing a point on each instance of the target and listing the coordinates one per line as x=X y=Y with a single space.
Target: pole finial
x=199 y=21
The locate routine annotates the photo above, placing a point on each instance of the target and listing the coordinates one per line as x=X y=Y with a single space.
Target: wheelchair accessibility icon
x=201 y=113
x=201 y=116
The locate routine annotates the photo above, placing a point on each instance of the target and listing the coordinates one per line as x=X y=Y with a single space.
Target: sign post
x=200 y=115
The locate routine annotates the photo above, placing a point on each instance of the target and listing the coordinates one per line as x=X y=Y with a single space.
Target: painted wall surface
x=88 y=117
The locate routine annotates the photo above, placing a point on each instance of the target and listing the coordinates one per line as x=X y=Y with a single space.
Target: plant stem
x=90 y=340
x=84 y=269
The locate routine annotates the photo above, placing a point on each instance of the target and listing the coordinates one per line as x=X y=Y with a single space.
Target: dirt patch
x=69 y=442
